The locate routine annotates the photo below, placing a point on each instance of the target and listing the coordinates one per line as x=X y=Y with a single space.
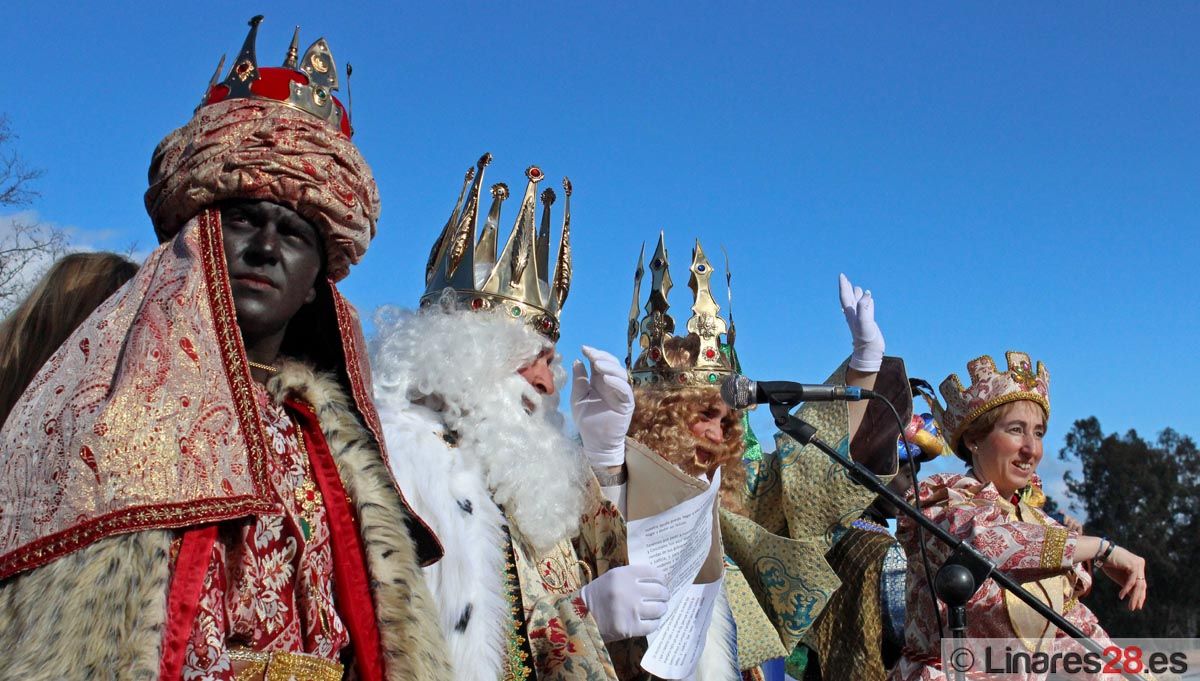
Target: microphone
x=739 y=392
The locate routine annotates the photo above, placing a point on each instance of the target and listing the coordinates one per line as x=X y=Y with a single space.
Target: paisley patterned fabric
x=259 y=149
x=799 y=501
x=145 y=417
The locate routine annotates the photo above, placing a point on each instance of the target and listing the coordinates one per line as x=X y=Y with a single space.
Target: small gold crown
x=705 y=363
x=307 y=84
x=991 y=388
x=517 y=280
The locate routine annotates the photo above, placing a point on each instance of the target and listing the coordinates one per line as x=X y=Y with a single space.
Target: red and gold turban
x=267 y=150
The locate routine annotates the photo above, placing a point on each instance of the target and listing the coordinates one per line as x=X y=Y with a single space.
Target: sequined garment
x=268 y=586
x=1023 y=542
x=848 y=635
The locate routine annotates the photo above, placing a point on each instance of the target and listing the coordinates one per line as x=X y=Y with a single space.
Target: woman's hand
x=1072 y=523
x=1129 y=570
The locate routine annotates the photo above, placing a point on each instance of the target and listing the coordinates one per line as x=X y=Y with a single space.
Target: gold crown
x=519 y=279
x=704 y=364
x=307 y=84
x=991 y=388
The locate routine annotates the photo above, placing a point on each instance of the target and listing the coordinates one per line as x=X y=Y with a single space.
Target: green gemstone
x=516 y=311
x=712 y=378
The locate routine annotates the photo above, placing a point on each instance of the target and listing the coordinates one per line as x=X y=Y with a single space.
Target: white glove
x=859 y=308
x=602 y=407
x=627 y=601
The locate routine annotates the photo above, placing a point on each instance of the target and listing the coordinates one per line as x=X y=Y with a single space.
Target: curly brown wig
x=662 y=421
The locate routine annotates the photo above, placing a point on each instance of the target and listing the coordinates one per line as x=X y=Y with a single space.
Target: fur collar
x=413 y=647
x=452 y=494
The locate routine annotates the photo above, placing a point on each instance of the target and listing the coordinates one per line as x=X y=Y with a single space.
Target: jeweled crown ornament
x=518 y=279
x=991 y=388
x=303 y=82
x=706 y=364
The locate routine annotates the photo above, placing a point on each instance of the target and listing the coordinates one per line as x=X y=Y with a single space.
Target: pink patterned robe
x=1024 y=543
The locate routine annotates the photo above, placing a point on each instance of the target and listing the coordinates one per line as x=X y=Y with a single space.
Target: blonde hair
x=984 y=423
x=71 y=289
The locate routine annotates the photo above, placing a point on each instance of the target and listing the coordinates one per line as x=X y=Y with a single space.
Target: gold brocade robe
x=797 y=496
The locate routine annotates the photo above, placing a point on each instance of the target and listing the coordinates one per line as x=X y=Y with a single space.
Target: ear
x=312 y=295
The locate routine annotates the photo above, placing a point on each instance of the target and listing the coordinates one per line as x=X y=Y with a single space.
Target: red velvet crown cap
x=274 y=82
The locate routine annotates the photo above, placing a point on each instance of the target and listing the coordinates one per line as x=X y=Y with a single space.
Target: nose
x=715 y=433
x=540 y=377
x=264 y=244
x=1032 y=443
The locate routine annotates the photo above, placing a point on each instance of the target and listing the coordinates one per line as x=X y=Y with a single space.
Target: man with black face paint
x=196 y=487
x=273 y=256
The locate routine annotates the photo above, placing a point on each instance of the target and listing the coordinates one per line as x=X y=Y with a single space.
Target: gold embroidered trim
x=229 y=336
x=515 y=657
x=42 y=551
x=996 y=402
x=277 y=665
x=348 y=333
x=1054 y=547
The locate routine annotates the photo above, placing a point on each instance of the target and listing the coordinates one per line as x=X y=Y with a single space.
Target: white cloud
x=21 y=265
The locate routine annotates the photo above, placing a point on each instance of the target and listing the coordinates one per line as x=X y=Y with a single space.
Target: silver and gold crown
x=303 y=82
x=709 y=362
x=518 y=279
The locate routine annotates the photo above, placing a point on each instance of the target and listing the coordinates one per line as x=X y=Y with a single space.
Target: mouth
x=1025 y=467
x=255 y=281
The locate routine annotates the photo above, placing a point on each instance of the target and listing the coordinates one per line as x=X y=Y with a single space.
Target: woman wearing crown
x=996 y=426
x=777 y=510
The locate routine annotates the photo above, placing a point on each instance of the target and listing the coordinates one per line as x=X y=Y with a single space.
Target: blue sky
x=1000 y=175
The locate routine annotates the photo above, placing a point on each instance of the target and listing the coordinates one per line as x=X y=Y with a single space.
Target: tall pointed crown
x=518 y=279
x=991 y=388
x=706 y=363
x=306 y=83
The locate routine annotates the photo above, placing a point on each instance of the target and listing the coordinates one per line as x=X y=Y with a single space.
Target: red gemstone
x=535 y=172
x=476 y=303
x=710 y=353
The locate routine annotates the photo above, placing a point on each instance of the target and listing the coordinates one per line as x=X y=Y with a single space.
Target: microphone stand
x=963 y=573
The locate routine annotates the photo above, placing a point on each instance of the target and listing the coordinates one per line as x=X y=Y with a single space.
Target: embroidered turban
x=259 y=149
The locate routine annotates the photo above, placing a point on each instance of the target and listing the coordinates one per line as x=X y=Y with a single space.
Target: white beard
x=464 y=365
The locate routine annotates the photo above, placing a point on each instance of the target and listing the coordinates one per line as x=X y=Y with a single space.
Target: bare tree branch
x=16 y=177
x=27 y=246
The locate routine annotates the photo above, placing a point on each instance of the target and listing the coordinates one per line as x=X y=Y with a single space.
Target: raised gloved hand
x=627 y=601
x=859 y=308
x=602 y=406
